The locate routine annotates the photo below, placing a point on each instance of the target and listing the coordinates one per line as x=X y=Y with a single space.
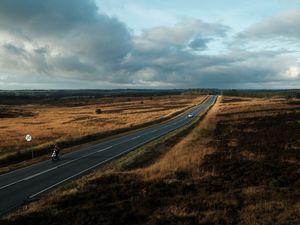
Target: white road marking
x=90 y=168
x=84 y=156
x=105 y=149
x=53 y=168
x=32 y=176
x=10 y=184
x=37 y=174
x=135 y=137
x=28 y=178
x=122 y=142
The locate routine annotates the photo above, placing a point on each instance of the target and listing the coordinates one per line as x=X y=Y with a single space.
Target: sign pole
x=28 y=138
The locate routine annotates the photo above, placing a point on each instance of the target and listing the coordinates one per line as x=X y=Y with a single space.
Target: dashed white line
x=135 y=137
x=37 y=174
x=32 y=176
x=105 y=149
x=53 y=168
x=11 y=184
x=84 y=156
x=90 y=168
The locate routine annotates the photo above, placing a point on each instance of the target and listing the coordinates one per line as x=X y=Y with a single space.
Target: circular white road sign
x=28 y=137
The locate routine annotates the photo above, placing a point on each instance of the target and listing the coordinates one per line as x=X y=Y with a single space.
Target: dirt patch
x=234 y=99
x=14 y=113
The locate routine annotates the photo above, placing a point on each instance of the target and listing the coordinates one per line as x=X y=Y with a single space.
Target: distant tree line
x=202 y=92
x=44 y=96
x=291 y=93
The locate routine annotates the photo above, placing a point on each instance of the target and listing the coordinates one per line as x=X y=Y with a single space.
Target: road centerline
x=43 y=181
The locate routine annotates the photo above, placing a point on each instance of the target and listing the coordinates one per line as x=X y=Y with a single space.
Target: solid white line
x=5 y=174
x=53 y=168
x=84 y=157
x=90 y=168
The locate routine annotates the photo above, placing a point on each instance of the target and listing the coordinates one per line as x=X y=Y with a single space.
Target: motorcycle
x=55 y=156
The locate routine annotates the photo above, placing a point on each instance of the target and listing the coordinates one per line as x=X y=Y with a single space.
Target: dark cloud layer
x=68 y=36
x=53 y=17
x=71 y=40
x=199 y=44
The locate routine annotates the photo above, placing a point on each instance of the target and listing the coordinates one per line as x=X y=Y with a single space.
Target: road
x=27 y=184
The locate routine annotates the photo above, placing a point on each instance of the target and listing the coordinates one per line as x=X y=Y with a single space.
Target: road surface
x=27 y=184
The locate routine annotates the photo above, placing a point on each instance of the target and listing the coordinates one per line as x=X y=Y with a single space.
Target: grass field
x=69 y=119
x=240 y=165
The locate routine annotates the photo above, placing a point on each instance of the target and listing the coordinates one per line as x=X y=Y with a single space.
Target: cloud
x=46 y=18
x=180 y=35
x=292 y=72
x=286 y=25
x=60 y=38
x=235 y=69
x=199 y=44
x=73 y=44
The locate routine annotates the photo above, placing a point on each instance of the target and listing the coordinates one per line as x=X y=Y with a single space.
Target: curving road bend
x=27 y=184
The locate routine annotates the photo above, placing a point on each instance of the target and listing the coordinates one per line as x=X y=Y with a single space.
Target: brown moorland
x=57 y=122
x=240 y=165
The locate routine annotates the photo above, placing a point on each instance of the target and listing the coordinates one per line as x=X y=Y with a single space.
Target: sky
x=107 y=44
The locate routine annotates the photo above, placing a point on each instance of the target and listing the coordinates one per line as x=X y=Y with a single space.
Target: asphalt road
x=27 y=184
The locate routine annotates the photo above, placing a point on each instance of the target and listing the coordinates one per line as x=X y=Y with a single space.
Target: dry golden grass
x=239 y=166
x=52 y=123
x=188 y=153
x=238 y=108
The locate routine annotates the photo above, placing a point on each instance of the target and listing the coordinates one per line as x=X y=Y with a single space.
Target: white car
x=190 y=116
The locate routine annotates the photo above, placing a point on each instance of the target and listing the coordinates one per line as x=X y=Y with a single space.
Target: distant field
x=240 y=165
x=70 y=119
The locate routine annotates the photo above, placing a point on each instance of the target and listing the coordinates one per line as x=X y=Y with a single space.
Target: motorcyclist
x=56 y=149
